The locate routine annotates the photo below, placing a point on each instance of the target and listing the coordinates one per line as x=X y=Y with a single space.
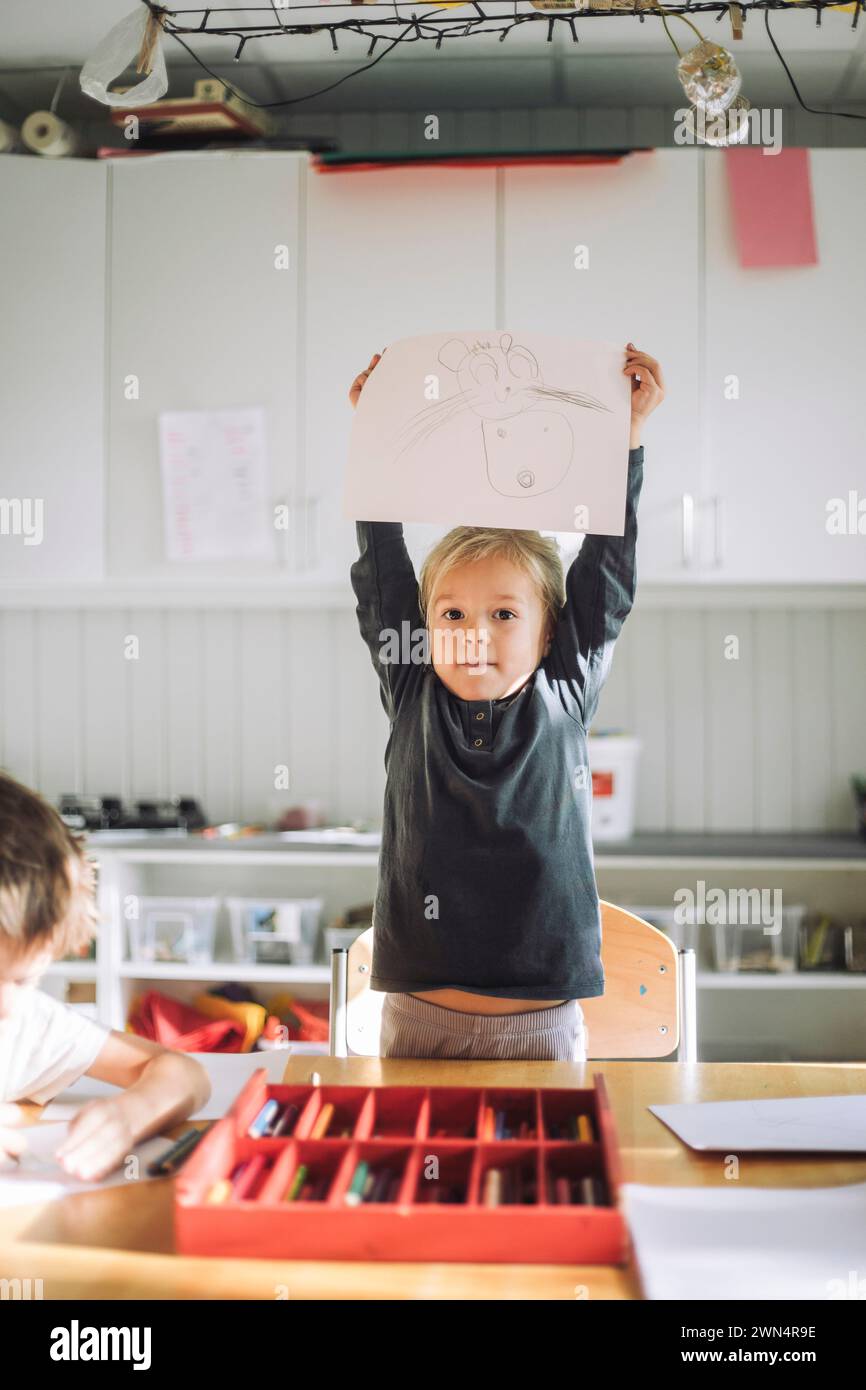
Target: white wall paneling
x=764 y=742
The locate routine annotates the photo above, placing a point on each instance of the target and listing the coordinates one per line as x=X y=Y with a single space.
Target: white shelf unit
x=802 y=1015
x=176 y=867
x=807 y=1016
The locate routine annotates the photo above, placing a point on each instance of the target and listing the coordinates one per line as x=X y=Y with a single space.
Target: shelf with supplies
x=179 y=912
x=822 y=873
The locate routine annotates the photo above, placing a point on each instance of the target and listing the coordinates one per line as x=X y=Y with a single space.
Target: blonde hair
x=47 y=885
x=537 y=555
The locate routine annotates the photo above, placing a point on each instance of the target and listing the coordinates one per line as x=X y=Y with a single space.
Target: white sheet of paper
x=488 y=428
x=215 y=485
x=747 y=1242
x=37 y=1176
x=796 y=1124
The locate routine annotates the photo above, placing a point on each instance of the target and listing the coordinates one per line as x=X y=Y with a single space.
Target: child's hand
x=361 y=379
x=647 y=393
x=99 y=1139
x=12 y=1141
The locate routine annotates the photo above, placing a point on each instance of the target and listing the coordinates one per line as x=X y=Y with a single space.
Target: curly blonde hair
x=537 y=555
x=47 y=883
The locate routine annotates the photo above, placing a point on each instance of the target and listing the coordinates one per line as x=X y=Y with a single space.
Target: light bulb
x=729 y=127
x=709 y=76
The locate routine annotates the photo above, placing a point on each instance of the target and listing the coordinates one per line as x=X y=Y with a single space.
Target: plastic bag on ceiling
x=119 y=49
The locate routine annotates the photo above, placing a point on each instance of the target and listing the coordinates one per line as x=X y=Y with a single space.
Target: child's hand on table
x=99 y=1139
x=12 y=1141
x=361 y=379
x=647 y=393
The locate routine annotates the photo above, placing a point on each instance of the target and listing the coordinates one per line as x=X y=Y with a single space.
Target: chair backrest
x=637 y=1016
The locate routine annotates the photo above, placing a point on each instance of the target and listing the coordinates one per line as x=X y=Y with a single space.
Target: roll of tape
x=44 y=133
x=9 y=139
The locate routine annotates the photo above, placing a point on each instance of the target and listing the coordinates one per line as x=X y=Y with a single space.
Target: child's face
x=487 y=628
x=20 y=972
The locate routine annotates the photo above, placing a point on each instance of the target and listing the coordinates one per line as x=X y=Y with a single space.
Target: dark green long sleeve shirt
x=486 y=879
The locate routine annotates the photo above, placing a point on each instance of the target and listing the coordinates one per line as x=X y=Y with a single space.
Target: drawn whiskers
x=567 y=397
x=428 y=420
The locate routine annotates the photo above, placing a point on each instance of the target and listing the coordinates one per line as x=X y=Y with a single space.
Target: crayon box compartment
x=442 y=1187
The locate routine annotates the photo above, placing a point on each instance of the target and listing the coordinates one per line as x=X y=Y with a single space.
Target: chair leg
x=688 y=1003
x=338 y=1041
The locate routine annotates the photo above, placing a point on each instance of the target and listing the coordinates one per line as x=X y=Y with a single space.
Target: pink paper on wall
x=771 y=204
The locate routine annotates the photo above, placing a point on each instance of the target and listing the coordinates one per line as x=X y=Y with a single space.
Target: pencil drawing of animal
x=528 y=444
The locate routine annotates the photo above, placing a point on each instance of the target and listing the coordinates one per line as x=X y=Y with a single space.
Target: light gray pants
x=416 y=1028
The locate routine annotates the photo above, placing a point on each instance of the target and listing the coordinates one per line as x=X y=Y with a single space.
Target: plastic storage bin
x=174 y=929
x=749 y=947
x=301 y=1196
x=613 y=761
x=275 y=931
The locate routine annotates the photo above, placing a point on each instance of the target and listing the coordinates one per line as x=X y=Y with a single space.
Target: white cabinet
x=52 y=273
x=389 y=254
x=786 y=345
x=636 y=280
x=204 y=315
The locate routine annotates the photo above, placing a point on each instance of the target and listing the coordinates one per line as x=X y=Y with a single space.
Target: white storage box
x=751 y=947
x=613 y=760
x=275 y=931
x=173 y=929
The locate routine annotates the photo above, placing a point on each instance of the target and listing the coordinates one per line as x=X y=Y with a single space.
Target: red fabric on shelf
x=168 y=1021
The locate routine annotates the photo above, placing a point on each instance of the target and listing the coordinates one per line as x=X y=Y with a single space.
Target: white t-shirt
x=44 y=1047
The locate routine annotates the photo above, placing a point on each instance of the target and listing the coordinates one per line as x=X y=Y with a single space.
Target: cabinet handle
x=688 y=537
x=718 y=529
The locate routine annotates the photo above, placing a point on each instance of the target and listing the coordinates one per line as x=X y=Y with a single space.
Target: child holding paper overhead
x=47 y=910
x=487 y=929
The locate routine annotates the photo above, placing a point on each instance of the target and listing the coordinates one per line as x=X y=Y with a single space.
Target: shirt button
x=479 y=743
x=479 y=716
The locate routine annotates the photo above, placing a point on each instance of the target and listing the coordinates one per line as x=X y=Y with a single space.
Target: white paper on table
x=215 y=485
x=527 y=430
x=748 y=1242
x=37 y=1176
x=794 y=1124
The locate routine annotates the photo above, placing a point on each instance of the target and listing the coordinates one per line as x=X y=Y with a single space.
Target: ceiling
x=617 y=62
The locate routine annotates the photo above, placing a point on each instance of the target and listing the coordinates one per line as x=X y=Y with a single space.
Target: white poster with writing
x=215 y=485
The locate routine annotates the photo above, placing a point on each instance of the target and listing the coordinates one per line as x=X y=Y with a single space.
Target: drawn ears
x=452 y=353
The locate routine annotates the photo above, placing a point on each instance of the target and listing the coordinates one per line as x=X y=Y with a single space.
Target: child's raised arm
x=600 y=584
x=599 y=593
x=386 y=588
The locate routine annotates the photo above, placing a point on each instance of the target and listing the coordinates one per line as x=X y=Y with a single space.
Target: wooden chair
x=648 y=1008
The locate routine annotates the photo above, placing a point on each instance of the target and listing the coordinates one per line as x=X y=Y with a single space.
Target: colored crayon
x=353 y=1196
x=263 y=1119
x=297 y=1183
x=220 y=1192
x=323 y=1119
x=286 y=1122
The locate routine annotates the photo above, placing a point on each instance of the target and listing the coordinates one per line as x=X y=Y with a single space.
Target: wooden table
x=117 y=1243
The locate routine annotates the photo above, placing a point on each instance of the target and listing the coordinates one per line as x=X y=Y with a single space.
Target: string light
x=438 y=26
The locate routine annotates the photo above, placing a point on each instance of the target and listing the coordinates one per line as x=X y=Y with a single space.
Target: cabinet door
x=52 y=253
x=788 y=340
x=389 y=254
x=639 y=222
x=204 y=316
